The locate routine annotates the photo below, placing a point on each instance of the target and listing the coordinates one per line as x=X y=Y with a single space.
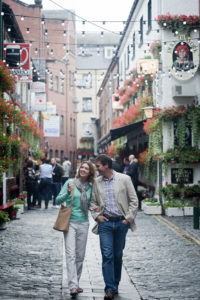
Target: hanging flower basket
x=155 y=49
x=7 y=82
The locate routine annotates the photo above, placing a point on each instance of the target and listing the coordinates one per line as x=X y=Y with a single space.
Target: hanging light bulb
x=30 y=43
x=9 y=29
x=27 y=30
x=64 y=33
x=42 y=21
x=102 y=33
x=2 y=13
x=63 y=23
x=83 y=33
x=64 y=46
x=47 y=44
x=46 y=31
x=83 y=22
x=51 y=51
x=22 y=18
x=36 y=50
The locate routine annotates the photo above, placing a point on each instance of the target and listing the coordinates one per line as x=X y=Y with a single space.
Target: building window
x=87 y=80
x=61 y=124
x=51 y=82
x=149 y=16
x=128 y=57
x=141 y=31
x=61 y=155
x=87 y=129
x=62 y=86
x=50 y=153
x=56 y=153
x=87 y=104
x=74 y=127
x=188 y=135
x=108 y=52
x=56 y=83
x=70 y=128
x=133 y=46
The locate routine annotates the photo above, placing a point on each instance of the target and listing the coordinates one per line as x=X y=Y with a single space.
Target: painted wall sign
x=182 y=58
x=187 y=176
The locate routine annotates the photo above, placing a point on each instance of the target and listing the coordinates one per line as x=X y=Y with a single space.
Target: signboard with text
x=186 y=178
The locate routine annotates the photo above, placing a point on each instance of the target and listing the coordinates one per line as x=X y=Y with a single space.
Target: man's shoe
x=116 y=292
x=73 y=293
x=108 y=295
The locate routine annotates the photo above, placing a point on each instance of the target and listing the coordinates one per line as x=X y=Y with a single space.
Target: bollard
x=196 y=214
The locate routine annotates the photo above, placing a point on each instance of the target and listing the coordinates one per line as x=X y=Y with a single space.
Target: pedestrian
x=45 y=182
x=115 y=195
x=30 y=180
x=76 y=237
x=117 y=165
x=67 y=168
x=133 y=171
x=126 y=164
x=56 y=182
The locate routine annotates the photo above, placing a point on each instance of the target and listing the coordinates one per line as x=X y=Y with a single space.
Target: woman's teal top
x=77 y=214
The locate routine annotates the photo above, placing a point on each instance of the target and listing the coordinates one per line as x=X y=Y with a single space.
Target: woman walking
x=76 y=237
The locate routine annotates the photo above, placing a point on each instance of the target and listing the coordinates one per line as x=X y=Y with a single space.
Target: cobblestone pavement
x=32 y=264
x=31 y=257
x=163 y=260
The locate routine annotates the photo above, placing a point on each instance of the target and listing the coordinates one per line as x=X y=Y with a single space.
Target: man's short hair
x=104 y=160
x=66 y=157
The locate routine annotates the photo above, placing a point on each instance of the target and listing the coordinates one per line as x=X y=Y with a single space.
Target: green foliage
x=4 y=217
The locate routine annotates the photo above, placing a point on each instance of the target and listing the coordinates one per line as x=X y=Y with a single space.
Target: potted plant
x=155 y=49
x=20 y=203
x=13 y=214
x=4 y=217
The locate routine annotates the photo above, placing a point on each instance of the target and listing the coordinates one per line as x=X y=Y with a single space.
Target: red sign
x=17 y=57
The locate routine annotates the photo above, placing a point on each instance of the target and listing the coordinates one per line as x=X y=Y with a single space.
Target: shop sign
x=187 y=176
x=182 y=58
x=17 y=57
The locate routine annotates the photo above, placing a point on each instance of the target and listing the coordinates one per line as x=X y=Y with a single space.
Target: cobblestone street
x=162 y=259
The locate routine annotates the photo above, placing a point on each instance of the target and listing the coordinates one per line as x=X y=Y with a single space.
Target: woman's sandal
x=79 y=290
x=73 y=293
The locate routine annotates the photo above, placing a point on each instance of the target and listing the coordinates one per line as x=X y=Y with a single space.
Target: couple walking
x=113 y=203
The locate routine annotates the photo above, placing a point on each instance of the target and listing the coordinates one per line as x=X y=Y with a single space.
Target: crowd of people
x=108 y=189
x=45 y=181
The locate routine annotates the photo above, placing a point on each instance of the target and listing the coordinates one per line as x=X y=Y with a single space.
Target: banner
x=52 y=127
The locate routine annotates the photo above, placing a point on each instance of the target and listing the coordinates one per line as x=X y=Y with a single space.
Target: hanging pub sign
x=182 y=58
x=17 y=57
x=187 y=176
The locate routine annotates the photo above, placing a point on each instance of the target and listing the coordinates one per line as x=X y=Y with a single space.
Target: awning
x=124 y=130
x=119 y=132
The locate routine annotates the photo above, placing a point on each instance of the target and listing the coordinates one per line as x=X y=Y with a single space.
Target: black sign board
x=186 y=178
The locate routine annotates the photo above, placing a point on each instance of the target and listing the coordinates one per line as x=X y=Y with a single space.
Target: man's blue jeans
x=112 y=242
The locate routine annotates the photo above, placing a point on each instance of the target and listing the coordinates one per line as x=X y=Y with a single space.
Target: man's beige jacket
x=125 y=197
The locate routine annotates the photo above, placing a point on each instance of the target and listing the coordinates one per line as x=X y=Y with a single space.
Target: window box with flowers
x=179 y=23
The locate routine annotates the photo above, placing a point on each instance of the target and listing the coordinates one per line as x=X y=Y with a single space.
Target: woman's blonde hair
x=92 y=173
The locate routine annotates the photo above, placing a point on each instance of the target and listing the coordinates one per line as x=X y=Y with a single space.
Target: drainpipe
x=1 y=32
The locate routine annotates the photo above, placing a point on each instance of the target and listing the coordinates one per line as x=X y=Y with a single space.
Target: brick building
x=51 y=36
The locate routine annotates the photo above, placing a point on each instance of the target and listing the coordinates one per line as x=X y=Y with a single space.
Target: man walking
x=57 y=175
x=113 y=206
x=132 y=170
x=67 y=168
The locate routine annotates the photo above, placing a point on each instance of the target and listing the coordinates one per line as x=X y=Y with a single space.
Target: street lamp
x=93 y=119
x=148 y=111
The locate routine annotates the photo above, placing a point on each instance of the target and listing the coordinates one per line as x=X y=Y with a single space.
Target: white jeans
x=75 y=245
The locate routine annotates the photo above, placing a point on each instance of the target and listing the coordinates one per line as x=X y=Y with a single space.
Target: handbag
x=63 y=218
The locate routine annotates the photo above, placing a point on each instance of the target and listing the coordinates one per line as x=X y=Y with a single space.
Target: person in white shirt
x=67 y=168
x=46 y=170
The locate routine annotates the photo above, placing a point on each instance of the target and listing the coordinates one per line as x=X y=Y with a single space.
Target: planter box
x=144 y=204
x=174 y=212
x=188 y=211
x=152 y=210
x=21 y=208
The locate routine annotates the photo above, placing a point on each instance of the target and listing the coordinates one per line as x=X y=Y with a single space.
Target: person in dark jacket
x=57 y=177
x=133 y=171
x=30 y=180
x=117 y=165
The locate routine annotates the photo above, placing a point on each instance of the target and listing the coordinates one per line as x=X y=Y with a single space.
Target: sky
x=94 y=10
